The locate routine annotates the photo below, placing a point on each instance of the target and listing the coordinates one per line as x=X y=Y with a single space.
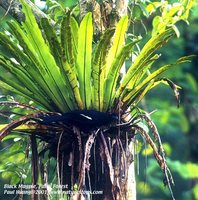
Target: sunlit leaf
x=84 y=59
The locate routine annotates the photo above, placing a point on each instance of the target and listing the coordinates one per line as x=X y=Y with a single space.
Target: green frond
x=53 y=42
x=118 y=41
x=63 y=60
x=69 y=39
x=84 y=59
x=111 y=82
x=99 y=68
x=141 y=61
x=149 y=82
x=61 y=72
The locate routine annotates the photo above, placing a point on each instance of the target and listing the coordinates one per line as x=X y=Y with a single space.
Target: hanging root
x=78 y=135
x=59 y=160
x=158 y=150
x=108 y=158
x=85 y=164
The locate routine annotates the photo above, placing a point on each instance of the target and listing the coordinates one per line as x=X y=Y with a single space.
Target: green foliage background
x=177 y=126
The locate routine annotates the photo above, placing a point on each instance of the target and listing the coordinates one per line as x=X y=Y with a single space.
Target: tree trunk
x=106 y=15
x=14 y=8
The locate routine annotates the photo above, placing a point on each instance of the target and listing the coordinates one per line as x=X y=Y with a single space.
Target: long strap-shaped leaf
x=51 y=72
x=29 y=73
x=112 y=77
x=69 y=42
x=118 y=41
x=139 y=64
x=53 y=41
x=84 y=59
x=65 y=63
x=34 y=67
x=141 y=73
x=69 y=39
x=98 y=72
x=129 y=98
x=20 y=78
x=74 y=32
x=73 y=82
x=21 y=58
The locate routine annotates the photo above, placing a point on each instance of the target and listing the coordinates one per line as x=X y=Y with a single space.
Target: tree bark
x=106 y=15
x=14 y=9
